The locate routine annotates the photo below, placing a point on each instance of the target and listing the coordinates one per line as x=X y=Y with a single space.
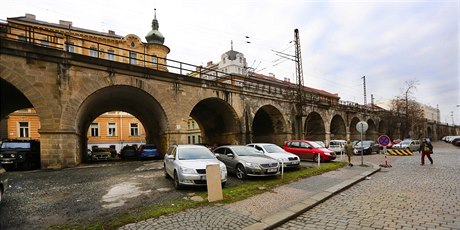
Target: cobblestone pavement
x=406 y=196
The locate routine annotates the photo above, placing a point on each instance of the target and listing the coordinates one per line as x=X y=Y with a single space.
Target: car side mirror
x=230 y=155
x=171 y=157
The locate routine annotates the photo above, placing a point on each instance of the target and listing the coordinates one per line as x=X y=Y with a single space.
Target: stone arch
x=128 y=99
x=218 y=121
x=314 y=127
x=269 y=125
x=429 y=132
x=371 y=132
x=383 y=127
x=354 y=134
x=338 y=128
x=12 y=98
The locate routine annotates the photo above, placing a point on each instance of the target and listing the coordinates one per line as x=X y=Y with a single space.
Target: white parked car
x=408 y=144
x=186 y=164
x=288 y=160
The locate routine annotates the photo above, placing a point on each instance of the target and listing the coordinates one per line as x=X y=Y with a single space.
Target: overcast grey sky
x=389 y=42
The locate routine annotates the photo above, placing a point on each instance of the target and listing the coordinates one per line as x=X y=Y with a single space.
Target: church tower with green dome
x=155 y=46
x=154 y=36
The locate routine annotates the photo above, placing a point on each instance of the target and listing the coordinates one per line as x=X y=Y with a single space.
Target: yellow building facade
x=107 y=45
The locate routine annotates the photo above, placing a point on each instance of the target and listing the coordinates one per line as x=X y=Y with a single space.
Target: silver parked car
x=408 y=144
x=288 y=160
x=337 y=146
x=247 y=161
x=186 y=164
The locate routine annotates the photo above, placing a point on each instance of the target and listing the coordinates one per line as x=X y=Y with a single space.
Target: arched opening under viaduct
x=429 y=132
x=314 y=127
x=371 y=133
x=338 y=128
x=269 y=126
x=128 y=99
x=218 y=122
x=11 y=99
x=383 y=128
x=354 y=134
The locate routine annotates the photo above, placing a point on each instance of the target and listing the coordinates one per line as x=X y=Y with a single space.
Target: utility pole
x=364 y=83
x=300 y=88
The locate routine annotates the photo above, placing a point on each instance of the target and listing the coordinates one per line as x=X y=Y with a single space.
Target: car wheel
x=177 y=184
x=166 y=173
x=316 y=158
x=240 y=172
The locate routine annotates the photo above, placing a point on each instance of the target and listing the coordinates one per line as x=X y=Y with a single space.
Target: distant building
x=112 y=128
x=430 y=113
x=232 y=69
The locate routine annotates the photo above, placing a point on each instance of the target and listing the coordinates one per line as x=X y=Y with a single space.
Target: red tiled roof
x=272 y=78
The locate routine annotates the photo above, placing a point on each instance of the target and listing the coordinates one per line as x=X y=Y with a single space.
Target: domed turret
x=154 y=36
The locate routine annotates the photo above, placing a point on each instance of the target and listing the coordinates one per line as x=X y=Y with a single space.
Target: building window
x=193 y=124
x=132 y=57
x=94 y=127
x=23 y=129
x=111 y=55
x=93 y=52
x=154 y=59
x=22 y=38
x=112 y=130
x=193 y=139
x=69 y=47
x=45 y=43
x=199 y=138
x=134 y=129
x=189 y=140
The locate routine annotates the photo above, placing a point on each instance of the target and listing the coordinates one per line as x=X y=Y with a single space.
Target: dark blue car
x=148 y=151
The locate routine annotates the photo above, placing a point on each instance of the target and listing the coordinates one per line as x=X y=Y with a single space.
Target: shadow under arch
x=269 y=125
x=314 y=127
x=218 y=122
x=128 y=99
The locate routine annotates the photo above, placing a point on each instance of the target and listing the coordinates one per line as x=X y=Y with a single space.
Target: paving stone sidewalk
x=263 y=211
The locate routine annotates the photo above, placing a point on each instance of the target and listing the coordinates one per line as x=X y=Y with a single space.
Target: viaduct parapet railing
x=248 y=83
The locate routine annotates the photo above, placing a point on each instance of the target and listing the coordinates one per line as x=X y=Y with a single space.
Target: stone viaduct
x=70 y=90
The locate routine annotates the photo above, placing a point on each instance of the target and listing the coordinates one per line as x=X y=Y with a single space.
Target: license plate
x=272 y=170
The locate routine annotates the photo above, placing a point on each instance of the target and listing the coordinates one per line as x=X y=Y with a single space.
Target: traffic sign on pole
x=384 y=140
x=362 y=127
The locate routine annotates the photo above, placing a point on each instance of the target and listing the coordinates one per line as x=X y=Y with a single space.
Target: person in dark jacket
x=426 y=148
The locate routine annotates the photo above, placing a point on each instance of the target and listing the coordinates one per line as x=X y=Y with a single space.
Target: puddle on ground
x=120 y=193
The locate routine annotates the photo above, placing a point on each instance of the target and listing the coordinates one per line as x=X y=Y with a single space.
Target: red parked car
x=309 y=150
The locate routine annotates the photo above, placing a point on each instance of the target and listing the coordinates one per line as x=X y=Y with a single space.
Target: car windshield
x=273 y=149
x=246 y=151
x=15 y=145
x=150 y=147
x=315 y=144
x=365 y=143
x=194 y=153
x=406 y=142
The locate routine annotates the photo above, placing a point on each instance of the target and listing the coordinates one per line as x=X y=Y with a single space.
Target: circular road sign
x=384 y=140
x=362 y=126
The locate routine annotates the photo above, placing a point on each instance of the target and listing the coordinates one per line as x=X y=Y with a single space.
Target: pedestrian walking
x=349 y=151
x=426 y=148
